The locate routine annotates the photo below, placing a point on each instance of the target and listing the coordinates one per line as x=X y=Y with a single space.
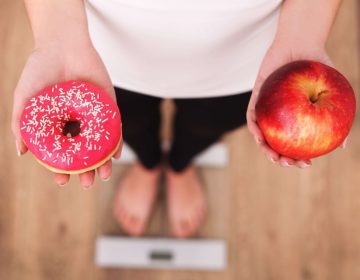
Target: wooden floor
x=280 y=224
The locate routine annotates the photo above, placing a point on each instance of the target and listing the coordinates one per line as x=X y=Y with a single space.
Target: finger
x=343 y=145
x=286 y=162
x=251 y=113
x=255 y=131
x=28 y=85
x=270 y=153
x=258 y=82
x=87 y=179
x=20 y=147
x=15 y=126
x=61 y=179
x=303 y=163
x=119 y=150
x=104 y=171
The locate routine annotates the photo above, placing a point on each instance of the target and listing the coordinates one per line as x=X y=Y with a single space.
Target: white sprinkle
x=47 y=113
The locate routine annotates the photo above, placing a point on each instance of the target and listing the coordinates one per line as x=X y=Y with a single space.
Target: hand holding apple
x=279 y=54
x=305 y=109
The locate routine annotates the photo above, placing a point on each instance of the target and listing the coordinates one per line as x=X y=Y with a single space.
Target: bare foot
x=185 y=201
x=135 y=197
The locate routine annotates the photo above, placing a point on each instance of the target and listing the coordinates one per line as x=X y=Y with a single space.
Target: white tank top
x=183 y=48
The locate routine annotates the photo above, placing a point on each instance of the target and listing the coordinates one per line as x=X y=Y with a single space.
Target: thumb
x=251 y=113
x=343 y=145
x=24 y=90
x=15 y=126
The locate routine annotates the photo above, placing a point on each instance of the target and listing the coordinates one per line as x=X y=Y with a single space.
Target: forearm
x=57 y=21
x=306 y=23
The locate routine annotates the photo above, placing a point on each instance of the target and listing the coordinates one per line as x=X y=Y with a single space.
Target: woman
x=206 y=55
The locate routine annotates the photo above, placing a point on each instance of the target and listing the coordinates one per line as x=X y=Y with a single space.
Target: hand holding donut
x=53 y=63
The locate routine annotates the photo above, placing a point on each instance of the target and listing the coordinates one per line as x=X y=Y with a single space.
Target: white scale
x=165 y=253
x=160 y=253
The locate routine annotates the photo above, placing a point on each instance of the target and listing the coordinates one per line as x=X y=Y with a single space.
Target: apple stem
x=315 y=97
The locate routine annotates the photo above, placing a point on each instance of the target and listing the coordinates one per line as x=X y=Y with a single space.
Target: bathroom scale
x=161 y=253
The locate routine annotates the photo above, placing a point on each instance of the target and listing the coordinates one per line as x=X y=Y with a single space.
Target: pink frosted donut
x=71 y=127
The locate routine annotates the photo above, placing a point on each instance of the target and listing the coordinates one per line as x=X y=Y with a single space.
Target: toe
x=136 y=225
x=191 y=226
x=125 y=221
x=202 y=213
x=181 y=228
x=184 y=225
x=118 y=212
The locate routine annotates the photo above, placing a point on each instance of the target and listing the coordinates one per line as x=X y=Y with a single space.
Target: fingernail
x=305 y=165
x=271 y=159
x=344 y=143
x=17 y=149
x=63 y=184
x=87 y=187
x=106 y=179
x=257 y=140
x=285 y=164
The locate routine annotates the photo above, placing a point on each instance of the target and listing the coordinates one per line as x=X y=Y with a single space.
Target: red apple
x=305 y=109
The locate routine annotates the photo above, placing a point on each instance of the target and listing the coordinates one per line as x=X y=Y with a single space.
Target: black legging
x=199 y=122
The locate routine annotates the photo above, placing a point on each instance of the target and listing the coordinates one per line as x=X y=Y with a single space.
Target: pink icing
x=44 y=117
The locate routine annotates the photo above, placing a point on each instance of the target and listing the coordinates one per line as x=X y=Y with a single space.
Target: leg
x=137 y=191
x=201 y=122
x=141 y=124
x=198 y=124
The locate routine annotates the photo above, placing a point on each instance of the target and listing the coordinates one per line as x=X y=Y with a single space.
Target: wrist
x=62 y=39
x=305 y=24
x=59 y=23
x=298 y=44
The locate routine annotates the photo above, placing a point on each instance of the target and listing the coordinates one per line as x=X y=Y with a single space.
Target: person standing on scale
x=209 y=56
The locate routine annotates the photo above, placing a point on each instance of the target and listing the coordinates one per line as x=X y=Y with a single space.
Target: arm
x=306 y=23
x=57 y=21
x=302 y=32
x=63 y=51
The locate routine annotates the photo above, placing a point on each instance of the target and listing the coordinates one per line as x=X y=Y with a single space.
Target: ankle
x=187 y=174
x=143 y=169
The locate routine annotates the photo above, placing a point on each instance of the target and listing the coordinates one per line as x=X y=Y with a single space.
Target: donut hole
x=71 y=128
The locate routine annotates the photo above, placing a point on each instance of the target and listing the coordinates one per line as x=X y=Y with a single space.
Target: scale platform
x=161 y=253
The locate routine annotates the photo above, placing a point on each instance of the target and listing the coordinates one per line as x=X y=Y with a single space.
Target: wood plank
x=279 y=223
